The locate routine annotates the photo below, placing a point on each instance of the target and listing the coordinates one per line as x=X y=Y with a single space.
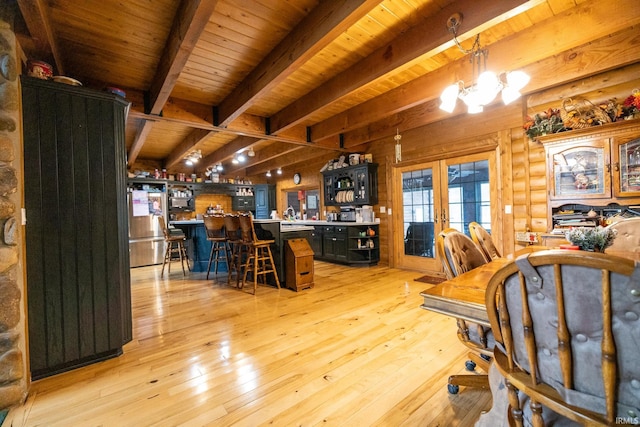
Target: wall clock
x=297 y=178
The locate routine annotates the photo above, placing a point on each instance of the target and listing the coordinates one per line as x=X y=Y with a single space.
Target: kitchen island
x=199 y=248
x=351 y=243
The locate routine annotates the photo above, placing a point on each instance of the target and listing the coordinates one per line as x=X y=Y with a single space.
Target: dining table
x=463 y=297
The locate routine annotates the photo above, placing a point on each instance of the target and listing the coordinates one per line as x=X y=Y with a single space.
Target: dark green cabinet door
x=77 y=258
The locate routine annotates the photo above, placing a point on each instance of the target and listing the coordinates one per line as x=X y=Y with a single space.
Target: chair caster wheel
x=485 y=357
x=453 y=389
x=470 y=365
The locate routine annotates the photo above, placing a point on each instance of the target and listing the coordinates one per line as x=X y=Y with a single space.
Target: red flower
x=633 y=100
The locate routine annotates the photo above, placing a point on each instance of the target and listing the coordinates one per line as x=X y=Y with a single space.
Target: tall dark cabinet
x=78 y=284
x=265 y=198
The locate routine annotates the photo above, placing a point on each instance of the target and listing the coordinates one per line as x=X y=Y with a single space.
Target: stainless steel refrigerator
x=146 y=240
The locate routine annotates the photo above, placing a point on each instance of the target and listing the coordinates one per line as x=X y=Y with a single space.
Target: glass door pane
x=469 y=195
x=417 y=196
x=433 y=196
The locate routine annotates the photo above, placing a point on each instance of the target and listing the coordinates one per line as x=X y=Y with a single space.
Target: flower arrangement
x=544 y=123
x=631 y=105
x=594 y=239
x=551 y=120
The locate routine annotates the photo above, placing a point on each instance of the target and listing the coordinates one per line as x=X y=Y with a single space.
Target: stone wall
x=13 y=383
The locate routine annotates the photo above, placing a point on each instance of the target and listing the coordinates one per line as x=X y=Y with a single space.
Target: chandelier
x=488 y=84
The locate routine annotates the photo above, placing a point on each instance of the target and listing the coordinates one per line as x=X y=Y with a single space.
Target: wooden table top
x=463 y=296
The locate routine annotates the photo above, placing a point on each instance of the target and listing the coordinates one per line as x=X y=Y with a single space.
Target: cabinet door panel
x=77 y=262
x=626 y=167
x=580 y=171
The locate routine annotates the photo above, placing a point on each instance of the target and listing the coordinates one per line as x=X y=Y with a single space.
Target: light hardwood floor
x=356 y=350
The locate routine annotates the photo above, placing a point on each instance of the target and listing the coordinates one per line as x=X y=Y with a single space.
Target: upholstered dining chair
x=458 y=254
x=566 y=330
x=627 y=241
x=483 y=239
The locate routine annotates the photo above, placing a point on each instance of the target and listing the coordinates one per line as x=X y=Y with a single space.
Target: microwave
x=347 y=215
x=184 y=204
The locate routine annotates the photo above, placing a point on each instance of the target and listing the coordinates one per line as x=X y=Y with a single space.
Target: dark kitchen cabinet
x=77 y=253
x=334 y=243
x=352 y=185
x=316 y=241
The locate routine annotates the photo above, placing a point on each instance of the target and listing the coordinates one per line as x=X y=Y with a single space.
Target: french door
x=438 y=195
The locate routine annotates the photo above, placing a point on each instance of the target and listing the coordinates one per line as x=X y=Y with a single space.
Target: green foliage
x=594 y=239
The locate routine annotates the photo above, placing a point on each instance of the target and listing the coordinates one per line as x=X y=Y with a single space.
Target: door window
x=448 y=193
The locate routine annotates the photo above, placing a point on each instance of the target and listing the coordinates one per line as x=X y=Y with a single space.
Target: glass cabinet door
x=627 y=168
x=580 y=172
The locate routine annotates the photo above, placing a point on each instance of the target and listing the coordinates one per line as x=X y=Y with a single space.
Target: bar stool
x=214 y=226
x=175 y=246
x=236 y=246
x=259 y=257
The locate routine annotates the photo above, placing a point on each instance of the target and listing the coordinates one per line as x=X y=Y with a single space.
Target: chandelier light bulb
x=279 y=171
x=509 y=95
x=475 y=109
x=268 y=174
x=488 y=87
x=449 y=97
x=517 y=79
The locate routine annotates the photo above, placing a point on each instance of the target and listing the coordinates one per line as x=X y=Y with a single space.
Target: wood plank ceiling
x=299 y=78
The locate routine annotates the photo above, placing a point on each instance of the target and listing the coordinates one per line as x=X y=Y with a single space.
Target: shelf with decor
x=352 y=185
x=596 y=166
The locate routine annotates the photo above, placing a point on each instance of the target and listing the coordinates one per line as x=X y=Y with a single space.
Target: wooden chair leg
x=478 y=360
x=470 y=380
x=213 y=247
x=166 y=256
x=273 y=266
x=181 y=251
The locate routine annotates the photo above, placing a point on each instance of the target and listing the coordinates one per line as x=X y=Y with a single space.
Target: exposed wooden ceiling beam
x=228 y=151
x=141 y=135
x=266 y=157
x=300 y=155
x=35 y=16
x=191 y=20
x=429 y=37
x=315 y=31
x=609 y=52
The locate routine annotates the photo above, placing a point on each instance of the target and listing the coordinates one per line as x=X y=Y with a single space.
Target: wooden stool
x=236 y=245
x=214 y=226
x=259 y=257
x=175 y=246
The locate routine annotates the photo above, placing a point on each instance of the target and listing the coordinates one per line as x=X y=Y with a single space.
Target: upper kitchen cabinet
x=77 y=248
x=595 y=165
x=351 y=185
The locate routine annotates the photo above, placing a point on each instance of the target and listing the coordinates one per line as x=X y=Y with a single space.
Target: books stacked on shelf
x=564 y=221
